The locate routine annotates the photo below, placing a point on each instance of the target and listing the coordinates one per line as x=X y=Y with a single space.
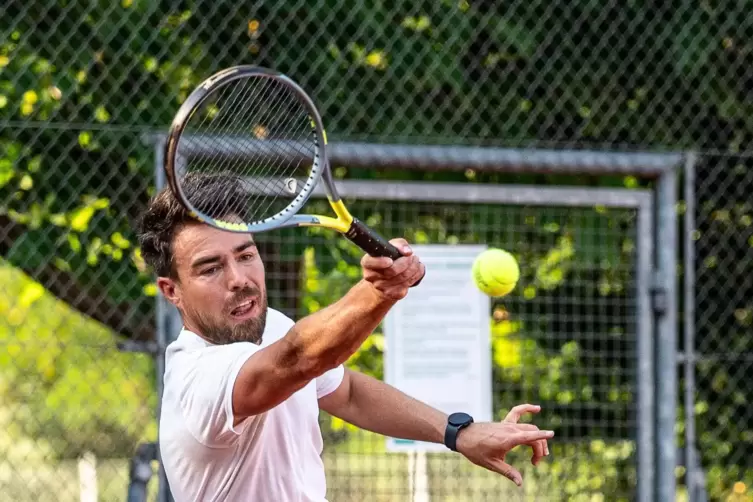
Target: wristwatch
x=455 y=423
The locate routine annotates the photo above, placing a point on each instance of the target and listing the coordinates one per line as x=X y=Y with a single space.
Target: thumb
x=507 y=471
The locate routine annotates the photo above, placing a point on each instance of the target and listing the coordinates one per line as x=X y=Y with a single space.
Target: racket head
x=254 y=136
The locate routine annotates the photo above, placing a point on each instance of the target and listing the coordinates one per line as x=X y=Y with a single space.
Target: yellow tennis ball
x=495 y=272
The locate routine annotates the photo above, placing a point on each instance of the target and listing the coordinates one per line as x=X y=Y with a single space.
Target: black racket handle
x=373 y=243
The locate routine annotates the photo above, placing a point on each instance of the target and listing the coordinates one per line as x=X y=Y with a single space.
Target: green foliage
x=63 y=383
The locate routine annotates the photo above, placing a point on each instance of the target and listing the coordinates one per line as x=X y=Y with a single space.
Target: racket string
x=269 y=127
x=257 y=164
x=269 y=181
x=243 y=126
x=275 y=175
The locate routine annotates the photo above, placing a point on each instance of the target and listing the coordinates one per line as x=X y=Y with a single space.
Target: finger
x=420 y=272
x=517 y=412
x=528 y=437
x=378 y=263
x=401 y=271
x=385 y=266
x=397 y=287
x=538 y=452
x=538 y=447
x=526 y=427
x=402 y=245
x=392 y=273
x=545 y=447
x=507 y=471
x=411 y=275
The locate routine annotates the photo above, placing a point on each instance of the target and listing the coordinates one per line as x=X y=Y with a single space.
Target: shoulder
x=191 y=357
x=189 y=349
x=278 y=325
x=278 y=318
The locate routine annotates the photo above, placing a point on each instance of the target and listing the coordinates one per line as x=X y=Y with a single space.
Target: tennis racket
x=254 y=135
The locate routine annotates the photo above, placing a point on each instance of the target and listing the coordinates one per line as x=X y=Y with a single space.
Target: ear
x=170 y=290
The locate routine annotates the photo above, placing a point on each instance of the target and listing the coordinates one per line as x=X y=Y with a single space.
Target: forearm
x=378 y=407
x=327 y=338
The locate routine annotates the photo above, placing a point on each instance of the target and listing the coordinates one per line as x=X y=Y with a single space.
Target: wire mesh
x=82 y=82
x=723 y=240
x=565 y=339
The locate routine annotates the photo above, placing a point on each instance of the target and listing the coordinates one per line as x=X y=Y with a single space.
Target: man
x=244 y=384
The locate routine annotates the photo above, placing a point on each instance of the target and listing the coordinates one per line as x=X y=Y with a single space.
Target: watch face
x=458 y=419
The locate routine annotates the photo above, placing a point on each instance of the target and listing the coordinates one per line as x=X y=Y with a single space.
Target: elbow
x=315 y=365
x=308 y=362
x=325 y=358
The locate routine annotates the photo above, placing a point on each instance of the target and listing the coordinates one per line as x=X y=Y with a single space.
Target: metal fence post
x=645 y=363
x=166 y=324
x=666 y=336
x=694 y=471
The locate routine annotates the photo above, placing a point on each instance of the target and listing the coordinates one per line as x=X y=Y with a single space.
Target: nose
x=236 y=280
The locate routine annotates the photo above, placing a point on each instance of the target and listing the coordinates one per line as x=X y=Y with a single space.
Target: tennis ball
x=495 y=272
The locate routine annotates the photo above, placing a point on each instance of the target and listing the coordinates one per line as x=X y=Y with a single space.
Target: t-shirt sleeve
x=207 y=394
x=329 y=381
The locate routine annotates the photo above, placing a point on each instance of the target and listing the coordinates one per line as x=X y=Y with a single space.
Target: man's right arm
x=323 y=340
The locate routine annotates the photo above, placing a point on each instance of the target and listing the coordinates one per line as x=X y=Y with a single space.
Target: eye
x=210 y=271
x=247 y=256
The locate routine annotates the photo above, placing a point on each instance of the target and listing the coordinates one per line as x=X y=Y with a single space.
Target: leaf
x=6 y=172
x=26 y=182
x=30 y=293
x=511 y=34
x=81 y=217
x=552 y=268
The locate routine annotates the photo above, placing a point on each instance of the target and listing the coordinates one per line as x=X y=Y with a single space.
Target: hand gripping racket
x=253 y=135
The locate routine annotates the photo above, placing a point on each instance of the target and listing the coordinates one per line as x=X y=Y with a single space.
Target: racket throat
x=341 y=211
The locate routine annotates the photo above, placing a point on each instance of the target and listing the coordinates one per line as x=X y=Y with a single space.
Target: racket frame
x=344 y=222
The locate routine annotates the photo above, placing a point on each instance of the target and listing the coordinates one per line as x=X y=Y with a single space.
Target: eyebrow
x=214 y=258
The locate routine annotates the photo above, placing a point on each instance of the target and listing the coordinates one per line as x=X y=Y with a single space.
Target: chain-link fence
x=567 y=341
x=723 y=321
x=81 y=83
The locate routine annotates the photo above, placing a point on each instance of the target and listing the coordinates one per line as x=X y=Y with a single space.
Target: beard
x=221 y=331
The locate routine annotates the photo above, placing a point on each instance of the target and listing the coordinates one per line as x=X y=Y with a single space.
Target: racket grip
x=371 y=242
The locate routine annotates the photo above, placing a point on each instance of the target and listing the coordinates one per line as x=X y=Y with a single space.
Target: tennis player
x=244 y=384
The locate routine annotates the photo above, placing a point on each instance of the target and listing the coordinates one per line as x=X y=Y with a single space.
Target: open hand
x=487 y=443
x=391 y=278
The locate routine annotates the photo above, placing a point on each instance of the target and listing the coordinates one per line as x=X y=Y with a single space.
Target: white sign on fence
x=438 y=347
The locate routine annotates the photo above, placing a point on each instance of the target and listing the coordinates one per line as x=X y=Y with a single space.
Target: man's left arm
x=375 y=406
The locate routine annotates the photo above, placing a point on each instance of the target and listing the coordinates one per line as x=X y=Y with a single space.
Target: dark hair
x=217 y=195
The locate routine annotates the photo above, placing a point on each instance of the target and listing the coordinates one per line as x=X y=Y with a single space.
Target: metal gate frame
x=657 y=453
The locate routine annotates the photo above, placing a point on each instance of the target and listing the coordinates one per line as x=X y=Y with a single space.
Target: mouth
x=245 y=309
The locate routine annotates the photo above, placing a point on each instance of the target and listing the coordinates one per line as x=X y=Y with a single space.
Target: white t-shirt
x=272 y=457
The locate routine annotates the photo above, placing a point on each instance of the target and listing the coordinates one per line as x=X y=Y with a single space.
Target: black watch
x=455 y=423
